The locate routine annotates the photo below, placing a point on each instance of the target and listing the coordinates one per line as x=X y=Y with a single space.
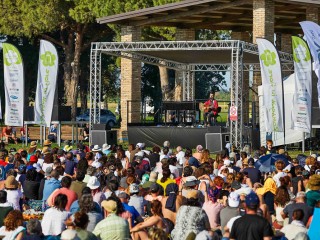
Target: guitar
x=206 y=107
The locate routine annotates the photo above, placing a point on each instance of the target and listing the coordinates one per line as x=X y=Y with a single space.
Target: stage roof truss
x=241 y=56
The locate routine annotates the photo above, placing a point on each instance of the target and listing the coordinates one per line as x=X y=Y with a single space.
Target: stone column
x=182 y=35
x=130 y=83
x=263 y=19
x=286 y=43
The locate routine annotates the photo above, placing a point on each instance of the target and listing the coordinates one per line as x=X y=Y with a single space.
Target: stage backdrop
x=13 y=85
x=46 y=85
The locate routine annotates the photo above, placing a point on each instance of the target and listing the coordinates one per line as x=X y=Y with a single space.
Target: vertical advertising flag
x=13 y=85
x=272 y=85
x=311 y=32
x=46 y=84
x=301 y=111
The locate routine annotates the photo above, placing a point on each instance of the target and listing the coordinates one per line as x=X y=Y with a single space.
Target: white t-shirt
x=174 y=170
x=53 y=222
x=45 y=165
x=180 y=158
x=277 y=177
x=13 y=197
x=231 y=221
x=11 y=235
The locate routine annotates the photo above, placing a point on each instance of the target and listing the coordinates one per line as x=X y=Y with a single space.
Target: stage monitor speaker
x=112 y=137
x=100 y=137
x=215 y=142
x=100 y=126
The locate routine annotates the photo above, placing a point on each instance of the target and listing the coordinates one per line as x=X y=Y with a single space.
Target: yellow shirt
x=165 y=184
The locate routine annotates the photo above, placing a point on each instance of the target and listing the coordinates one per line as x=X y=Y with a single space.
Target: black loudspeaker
x=112 y=137
x=215 y=142
x=100 y=126
x=100 y=137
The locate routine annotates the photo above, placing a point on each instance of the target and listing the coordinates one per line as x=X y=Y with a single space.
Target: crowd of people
x=107 y=192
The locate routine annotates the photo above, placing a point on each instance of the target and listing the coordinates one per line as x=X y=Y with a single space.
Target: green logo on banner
x=269 y=58
x=300 y=50
x=11 y=55
x=48 y=59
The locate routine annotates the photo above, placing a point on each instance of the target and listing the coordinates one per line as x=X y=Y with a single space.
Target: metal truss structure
x=95 y=87
x=147 y=52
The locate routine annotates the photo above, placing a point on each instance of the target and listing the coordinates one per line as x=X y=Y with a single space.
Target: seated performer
x=210 y=110
x=9 y=135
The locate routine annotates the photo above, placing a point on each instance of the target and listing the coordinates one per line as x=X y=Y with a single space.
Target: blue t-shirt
x=69 y=167
x=193 y=162
x=133 y=212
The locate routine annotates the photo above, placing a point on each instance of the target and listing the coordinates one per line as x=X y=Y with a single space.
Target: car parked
x=106 y=117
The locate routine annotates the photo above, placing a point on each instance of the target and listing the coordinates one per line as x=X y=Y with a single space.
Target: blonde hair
x=155 y=233
x=310 y=160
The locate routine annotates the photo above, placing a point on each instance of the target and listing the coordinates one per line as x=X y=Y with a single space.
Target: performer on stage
x=210 y=110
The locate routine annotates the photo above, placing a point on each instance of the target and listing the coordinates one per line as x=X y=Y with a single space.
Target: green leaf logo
x=269 y=58
x=48 y=59
x=11 y=55
x=301 y=53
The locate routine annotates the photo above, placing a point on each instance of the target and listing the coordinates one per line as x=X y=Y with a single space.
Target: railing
x=158 y=116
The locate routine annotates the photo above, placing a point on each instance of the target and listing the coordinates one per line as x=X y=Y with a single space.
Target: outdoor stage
x=217 y=136
x=178 y=136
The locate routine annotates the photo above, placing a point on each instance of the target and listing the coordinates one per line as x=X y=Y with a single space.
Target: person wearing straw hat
x=314 y=186
x=47 y=143
x=14 y=193
x=113 y=226
x=32 y=149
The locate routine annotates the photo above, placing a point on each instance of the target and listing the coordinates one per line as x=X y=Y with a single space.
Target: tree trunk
x=165 y=88
x=71 y=86
x=68 y=50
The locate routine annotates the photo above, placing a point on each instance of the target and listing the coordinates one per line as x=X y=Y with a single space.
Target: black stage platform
x=178 y=136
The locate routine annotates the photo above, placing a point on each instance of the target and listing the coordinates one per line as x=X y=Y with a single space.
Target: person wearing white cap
x=230 y=211
x=94 y=185
x=226 y=164
x=143 y=145
x=106 y=149
x=97 y=152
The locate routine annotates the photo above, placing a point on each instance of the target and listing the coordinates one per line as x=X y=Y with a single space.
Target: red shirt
x=71 y=195
x=7 y=132
x=3 y=163
x=213 y=104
